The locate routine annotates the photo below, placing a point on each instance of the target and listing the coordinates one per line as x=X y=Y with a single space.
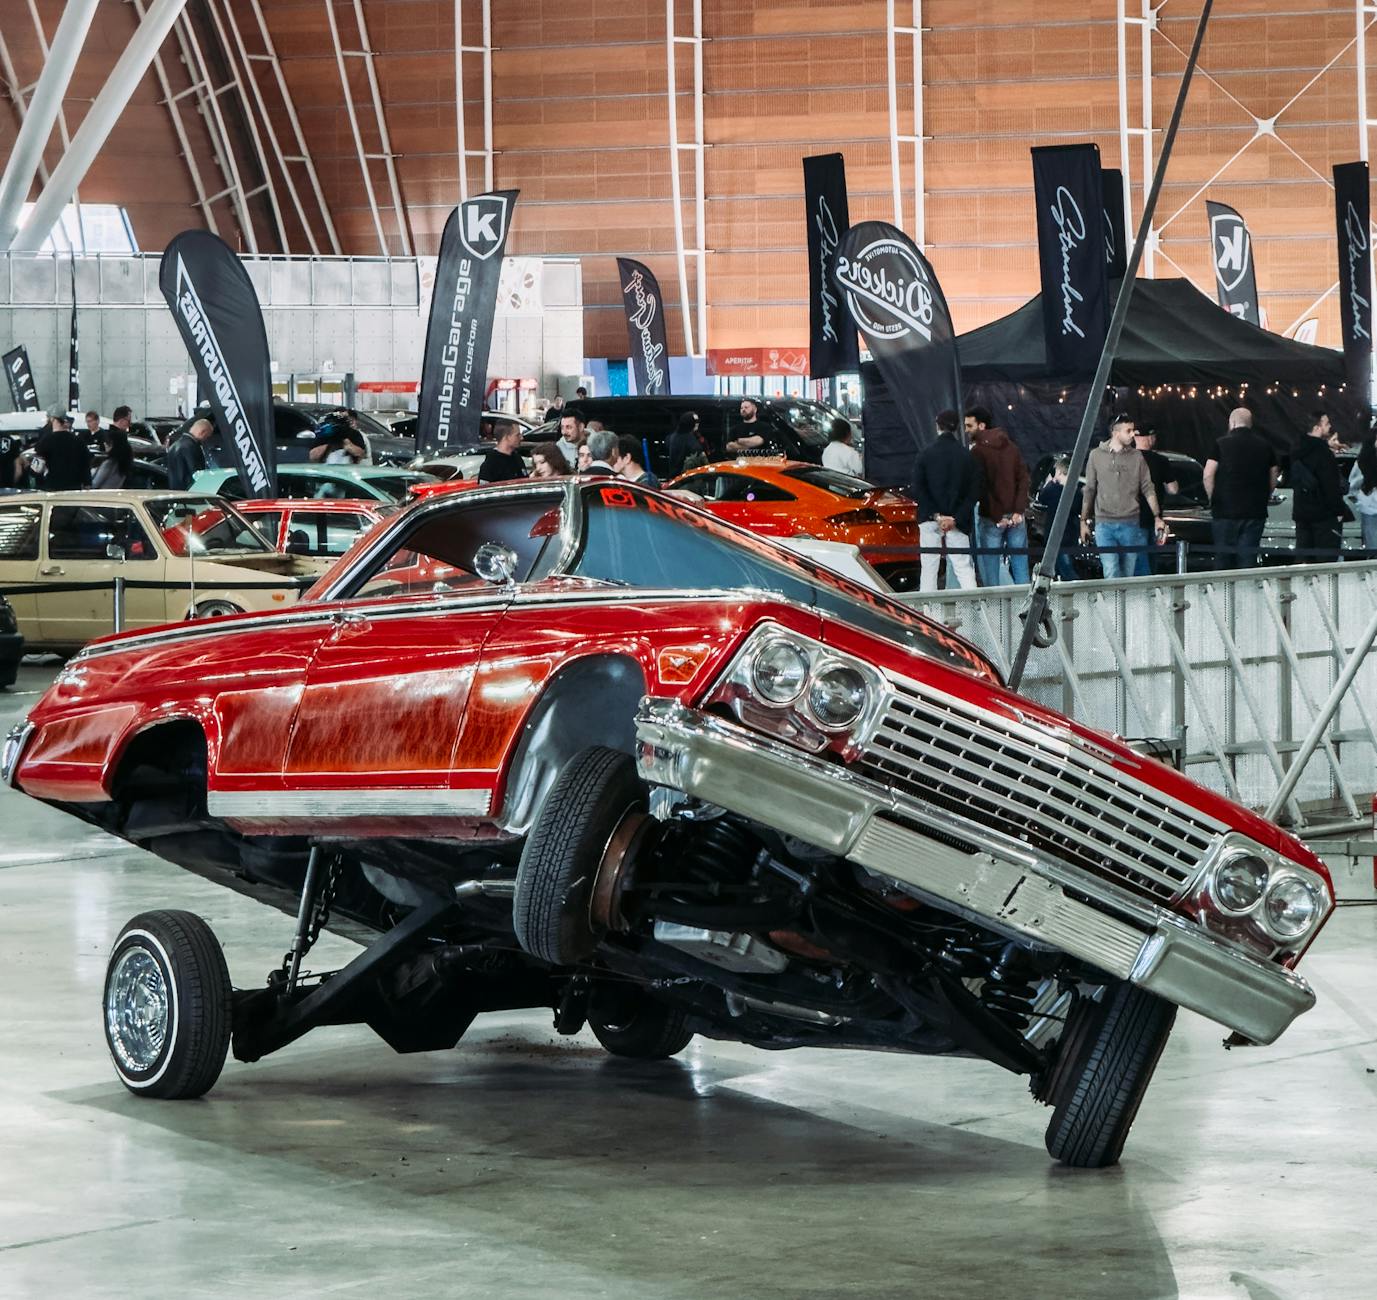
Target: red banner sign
x=387 y=386
x=757 y=361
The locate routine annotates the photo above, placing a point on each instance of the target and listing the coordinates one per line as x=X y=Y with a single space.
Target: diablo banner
x=73 y=368
x=1069 y=191
x=1234 y=276
x=645 y=327
x=217 y=313
x=19 y=375
x=454 y=370
x=1353 y=214
x=1115 y=224
x=831 y=338
x=895 y=301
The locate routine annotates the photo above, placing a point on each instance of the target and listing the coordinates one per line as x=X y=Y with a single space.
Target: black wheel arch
x=590 y=702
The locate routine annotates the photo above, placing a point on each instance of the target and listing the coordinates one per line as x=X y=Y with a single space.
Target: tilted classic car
x=581 y=745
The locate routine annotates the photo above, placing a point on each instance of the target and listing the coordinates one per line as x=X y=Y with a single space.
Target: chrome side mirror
x=495 y=563
x=114 y=551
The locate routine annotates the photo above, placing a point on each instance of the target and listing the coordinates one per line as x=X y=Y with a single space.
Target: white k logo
x=1231 y=245
x=480 y=225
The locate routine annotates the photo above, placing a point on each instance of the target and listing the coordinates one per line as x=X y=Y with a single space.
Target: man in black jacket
x=187 y=456
x=1317 y=494
x=947 y=485
x=65 y=458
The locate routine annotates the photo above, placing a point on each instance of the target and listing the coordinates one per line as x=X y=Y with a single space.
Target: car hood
x=272 y=562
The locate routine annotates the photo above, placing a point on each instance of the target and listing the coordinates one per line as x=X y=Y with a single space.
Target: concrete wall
x=363 y=315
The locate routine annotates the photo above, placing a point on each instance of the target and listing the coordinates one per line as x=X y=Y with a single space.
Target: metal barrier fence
x=1230 y=668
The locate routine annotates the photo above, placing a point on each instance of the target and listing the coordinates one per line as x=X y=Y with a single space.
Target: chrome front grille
x=1038 y=788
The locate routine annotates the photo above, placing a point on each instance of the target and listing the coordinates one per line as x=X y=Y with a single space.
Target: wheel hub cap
x=137 y=1010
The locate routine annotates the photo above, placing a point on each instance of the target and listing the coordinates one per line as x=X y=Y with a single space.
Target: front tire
x=630 y=1023
x=167 y=1006
x=594 y=793
x=1114 y=1046
x=215 y=609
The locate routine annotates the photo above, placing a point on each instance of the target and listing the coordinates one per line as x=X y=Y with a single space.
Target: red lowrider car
x=580 y=745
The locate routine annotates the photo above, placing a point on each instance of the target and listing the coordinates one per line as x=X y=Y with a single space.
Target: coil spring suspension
x=715 y=846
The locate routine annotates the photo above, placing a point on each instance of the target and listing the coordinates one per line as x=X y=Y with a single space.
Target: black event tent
x=1175 y=339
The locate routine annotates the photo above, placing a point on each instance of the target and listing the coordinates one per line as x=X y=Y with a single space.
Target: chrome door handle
x=49 y=570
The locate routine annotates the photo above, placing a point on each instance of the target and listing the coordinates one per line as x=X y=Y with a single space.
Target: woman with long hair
x=119 y=459
x=1362 y=486
x=547 y=461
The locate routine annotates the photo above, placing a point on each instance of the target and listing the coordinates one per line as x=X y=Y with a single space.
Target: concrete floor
x=522 y=1164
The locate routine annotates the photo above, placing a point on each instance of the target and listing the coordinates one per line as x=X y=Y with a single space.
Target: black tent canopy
x=1179 y=348
x=1173 y=335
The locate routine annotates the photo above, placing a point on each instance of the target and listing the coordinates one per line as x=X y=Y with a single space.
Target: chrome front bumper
x=13 y=751
x=1002 y=884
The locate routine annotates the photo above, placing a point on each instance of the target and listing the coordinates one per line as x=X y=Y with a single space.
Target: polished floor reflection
x=523 y=1164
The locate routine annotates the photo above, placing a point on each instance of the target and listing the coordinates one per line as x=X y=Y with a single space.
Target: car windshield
x=200 y=525
x=398 y=485
x=833 y=481
x=811 y=420
x=639 y=539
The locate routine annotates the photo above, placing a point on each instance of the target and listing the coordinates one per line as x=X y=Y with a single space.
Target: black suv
x=797 y=426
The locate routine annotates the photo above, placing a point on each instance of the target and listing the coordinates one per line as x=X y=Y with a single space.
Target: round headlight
x=780 y=672
x=1239 y=882
x=1293 y=905
x=837 y=696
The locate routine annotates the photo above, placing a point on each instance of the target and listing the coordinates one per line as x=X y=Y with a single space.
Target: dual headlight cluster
x=1282 y=899
x=799 y=689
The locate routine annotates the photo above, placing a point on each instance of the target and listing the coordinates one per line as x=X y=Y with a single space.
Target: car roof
x=106 y=496
x=333 y=505
x=327 y=471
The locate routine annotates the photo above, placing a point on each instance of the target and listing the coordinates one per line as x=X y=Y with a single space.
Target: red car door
x=380 y=718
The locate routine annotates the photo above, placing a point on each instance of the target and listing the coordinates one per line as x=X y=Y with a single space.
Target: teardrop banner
x=19 y=375
x=832 y=348
x=892 y=295
x=218 y=316
x=1069 y=191
x=1116 y=236
x=645 y=327
x=454 y=368
x=1235 y=278
x=73 y=364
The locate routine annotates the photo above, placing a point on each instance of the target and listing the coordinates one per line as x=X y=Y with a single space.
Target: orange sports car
x=790 y=498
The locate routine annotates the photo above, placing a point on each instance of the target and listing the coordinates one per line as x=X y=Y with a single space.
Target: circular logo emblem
x=887 y=290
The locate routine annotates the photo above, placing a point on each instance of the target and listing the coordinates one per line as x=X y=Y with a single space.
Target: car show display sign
x=454 y=370
x=220 y=321
x=832 y=347
x=1115 y=224
x=1069 y=192
x=645 y=327
x=19 y=376
x=1232 y=249
x=893 y=297
x=1353 y=216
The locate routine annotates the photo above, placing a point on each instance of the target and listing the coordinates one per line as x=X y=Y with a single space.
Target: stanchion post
x=119 y=605
x=1182 y=549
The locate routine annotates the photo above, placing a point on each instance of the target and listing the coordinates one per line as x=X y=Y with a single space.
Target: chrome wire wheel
x=138 y=1010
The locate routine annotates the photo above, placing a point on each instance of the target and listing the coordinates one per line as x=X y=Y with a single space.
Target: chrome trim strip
x=287 y=805
x=998 y=881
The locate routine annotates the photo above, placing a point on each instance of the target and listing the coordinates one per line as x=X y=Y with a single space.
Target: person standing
x=686 y=440
x=504 y=462
x=749 y=434
x=840 y=453
x=571 y=435
x=627 y=462
x=1240 y=476
x=1049 y=498
x=602 y=450
x=947 y=485
x=114 y=470
x=187 y=456
x=61 y=460
x=1317 y=497
x=1116 y=478
x=1001 y=530
x=1362 y=487
x=1160 y=470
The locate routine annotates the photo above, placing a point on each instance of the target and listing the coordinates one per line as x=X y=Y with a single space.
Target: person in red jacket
x=1001 y=534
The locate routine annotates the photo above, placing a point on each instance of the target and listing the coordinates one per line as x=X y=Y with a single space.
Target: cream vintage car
x=60 y=553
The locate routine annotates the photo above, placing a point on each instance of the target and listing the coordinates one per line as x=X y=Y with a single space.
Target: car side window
x=86 y=533
x=325 y=532
x=743 y=488
x=232 y=488
x=19 y=532
x=266 y=523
